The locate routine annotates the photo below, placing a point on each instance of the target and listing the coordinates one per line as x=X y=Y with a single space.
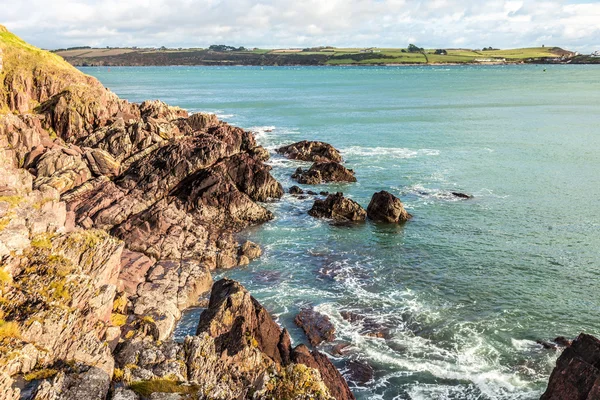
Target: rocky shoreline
x=112 y=218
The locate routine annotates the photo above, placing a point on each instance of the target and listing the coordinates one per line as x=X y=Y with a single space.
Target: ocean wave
x=390 y=152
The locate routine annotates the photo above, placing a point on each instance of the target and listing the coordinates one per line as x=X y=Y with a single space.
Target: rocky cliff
x=112 y=217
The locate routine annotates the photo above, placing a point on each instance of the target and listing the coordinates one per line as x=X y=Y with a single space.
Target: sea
x=451 y=304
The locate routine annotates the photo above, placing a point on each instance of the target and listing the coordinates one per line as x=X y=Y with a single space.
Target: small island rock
x=311 y=151
x=385 y=207
x=324 y=172
x=338 y=208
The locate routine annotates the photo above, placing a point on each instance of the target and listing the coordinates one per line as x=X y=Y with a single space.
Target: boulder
x=338 y=208
x=385 y=207
x=296 y=190
x=577 y=372
x=311 y=151
x=250 y=250
x=321 y=172
x=317 y=327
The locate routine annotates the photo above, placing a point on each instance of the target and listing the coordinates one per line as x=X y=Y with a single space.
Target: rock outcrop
x=239 y=351
x=322 y=172
x=577 y=372
x=338 y=208
x=385 y=207
x=311 y=151
x=112 y=217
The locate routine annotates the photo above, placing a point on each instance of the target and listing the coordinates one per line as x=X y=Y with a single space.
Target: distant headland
x=219 y=55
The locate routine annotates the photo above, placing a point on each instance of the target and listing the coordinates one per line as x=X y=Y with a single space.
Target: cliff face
x=112 y=217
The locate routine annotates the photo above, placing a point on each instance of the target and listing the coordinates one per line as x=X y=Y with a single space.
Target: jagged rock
x=170 y=287
x=311 y=151
x=321 y=172
x=331 y=376
x=250 y=250
x=385 y=207
x=134 y=267
x=317 y=327
x=252 y=323
x=296 y=190
x=201 y=121
x=102 y=163
x=260 y=153
x=62 y=169
x=174 y=188
x=577 y=372
x=239 y=349
x=124 y=394
x=338 y=208
x=92 y=384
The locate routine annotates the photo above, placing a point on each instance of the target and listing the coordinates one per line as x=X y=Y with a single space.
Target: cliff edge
x=112 y=217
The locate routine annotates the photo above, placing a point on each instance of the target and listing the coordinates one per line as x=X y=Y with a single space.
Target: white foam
x=390 y=152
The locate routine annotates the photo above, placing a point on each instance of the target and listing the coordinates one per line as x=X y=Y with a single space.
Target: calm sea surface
x=467 y=286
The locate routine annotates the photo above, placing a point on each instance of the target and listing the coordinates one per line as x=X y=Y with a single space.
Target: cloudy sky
x=572 y=24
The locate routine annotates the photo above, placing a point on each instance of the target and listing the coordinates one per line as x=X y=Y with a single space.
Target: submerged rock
x=385 y=207
x=321 y=172
x=317 y=327
x=577 y=372
x=462 y=195
x=311 y=151
x=338 y=208
x=296 y=190
x=359 y=371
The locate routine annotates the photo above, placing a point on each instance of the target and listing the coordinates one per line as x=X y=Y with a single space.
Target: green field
x=310 y=56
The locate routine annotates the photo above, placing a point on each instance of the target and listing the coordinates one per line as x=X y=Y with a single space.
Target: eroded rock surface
x=577 y=372
x=239 y=351
x=385 y=207
x=338 y=208
x=322 y=172
x=112 y=216
x=311 y=151
x=317 y=327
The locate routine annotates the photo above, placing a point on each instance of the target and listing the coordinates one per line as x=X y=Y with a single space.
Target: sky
x=571 y=24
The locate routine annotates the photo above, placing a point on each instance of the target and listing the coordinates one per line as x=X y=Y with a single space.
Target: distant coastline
x=323 y=56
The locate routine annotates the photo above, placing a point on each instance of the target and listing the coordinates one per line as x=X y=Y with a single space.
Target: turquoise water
x=465 y=287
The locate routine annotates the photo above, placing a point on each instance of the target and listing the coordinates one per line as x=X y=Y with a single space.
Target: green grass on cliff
x=23 y=63
x=146 y=388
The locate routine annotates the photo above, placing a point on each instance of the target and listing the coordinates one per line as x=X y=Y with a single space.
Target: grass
x=40 y=374
x=117 y=319
x=42 y=242
x=9 y=330
x=22 y=62
x=146 y=388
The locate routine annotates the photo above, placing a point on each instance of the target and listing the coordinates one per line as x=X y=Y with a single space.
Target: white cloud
x=573 y=24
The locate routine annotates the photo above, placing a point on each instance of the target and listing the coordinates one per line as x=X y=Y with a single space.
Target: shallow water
x=467 y=286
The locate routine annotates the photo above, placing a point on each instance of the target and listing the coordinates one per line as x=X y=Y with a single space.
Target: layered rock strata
x=112 y=217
